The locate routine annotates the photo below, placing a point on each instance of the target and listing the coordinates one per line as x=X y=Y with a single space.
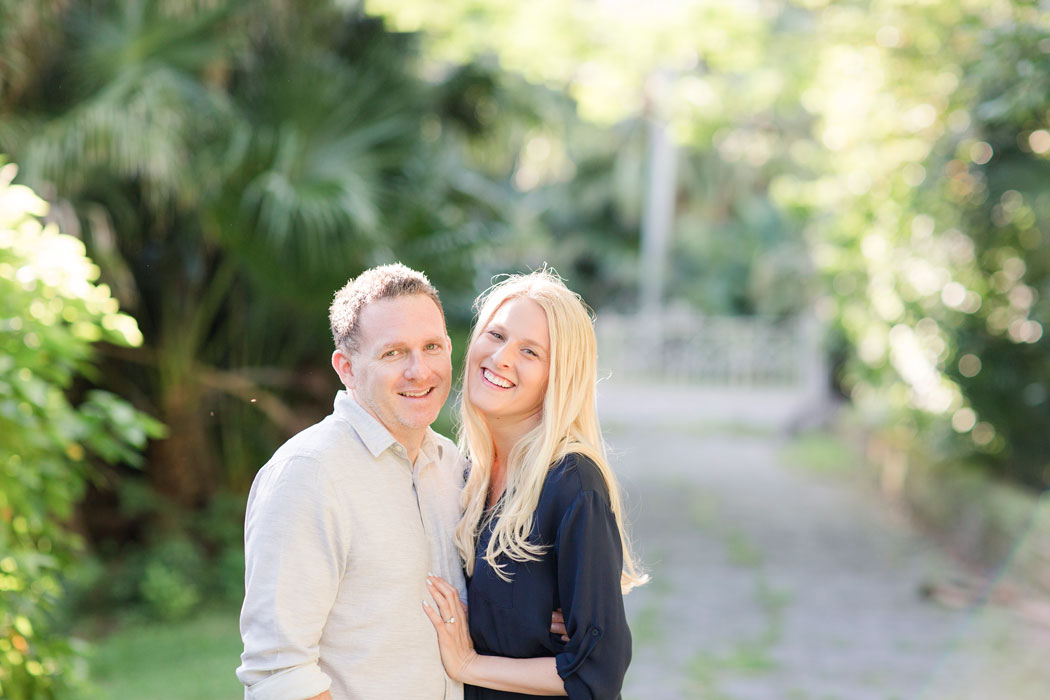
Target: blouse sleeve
x=590 y=559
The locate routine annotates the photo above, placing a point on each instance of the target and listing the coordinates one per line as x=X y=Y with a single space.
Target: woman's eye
x=530 y=351
x=496 y=335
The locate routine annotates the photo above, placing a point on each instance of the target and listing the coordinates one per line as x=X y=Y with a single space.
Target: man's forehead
x=401 y=319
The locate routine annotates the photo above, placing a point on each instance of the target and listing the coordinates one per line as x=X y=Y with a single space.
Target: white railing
x=679 y=347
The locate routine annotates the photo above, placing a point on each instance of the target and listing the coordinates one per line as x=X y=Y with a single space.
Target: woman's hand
x=450 y=622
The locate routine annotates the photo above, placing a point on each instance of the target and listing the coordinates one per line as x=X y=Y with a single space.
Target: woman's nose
x=499 y=355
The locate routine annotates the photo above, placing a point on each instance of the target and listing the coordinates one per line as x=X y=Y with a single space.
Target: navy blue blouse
x=579 y=572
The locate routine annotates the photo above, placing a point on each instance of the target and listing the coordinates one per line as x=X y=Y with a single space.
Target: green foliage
x=903 y=148
x=171 y=579
x=168 y=577
x=229 y=165
x=932 y=222
x=51 y=314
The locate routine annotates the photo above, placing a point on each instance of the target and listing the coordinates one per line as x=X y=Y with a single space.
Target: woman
x=542 y=527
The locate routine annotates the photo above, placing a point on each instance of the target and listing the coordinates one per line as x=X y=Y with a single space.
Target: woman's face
x=509 y=363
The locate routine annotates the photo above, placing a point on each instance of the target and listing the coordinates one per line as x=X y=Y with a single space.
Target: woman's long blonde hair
x=569 y=424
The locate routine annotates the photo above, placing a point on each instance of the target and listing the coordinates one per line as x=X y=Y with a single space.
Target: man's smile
x=416 y=394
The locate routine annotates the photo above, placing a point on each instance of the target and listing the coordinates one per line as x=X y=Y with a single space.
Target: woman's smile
x=496 y=380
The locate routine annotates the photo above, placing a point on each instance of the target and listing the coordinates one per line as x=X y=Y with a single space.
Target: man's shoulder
x=323 y=447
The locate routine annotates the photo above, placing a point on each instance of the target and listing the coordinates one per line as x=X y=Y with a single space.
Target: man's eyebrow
x=398 y=344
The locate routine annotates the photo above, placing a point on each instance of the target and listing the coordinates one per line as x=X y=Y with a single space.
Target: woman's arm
x=589 y=556
x=537 y=676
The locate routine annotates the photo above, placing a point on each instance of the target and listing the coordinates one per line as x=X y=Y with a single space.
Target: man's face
x=402 y=371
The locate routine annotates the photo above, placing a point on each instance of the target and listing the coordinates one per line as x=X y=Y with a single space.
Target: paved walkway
x=777 y=582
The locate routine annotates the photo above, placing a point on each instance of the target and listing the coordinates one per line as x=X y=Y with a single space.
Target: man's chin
x=421 y=419
x=420 y=413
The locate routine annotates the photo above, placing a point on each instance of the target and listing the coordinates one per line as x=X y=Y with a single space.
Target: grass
x=742 y=551
x=704 y=511
x=821 y=453
x=647 y=623
x=192 y=659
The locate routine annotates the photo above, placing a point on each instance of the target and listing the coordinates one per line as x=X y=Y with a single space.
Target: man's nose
x=417 y=366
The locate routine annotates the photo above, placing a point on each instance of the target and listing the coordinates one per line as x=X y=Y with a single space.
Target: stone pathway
x=777 y=582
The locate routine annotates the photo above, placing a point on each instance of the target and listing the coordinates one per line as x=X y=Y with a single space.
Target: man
x=348 y=517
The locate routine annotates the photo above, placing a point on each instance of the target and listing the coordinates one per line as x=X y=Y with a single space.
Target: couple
x=349 y=518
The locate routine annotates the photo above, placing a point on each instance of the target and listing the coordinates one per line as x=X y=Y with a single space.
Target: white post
x=659 y=199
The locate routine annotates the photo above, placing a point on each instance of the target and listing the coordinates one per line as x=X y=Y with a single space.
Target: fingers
x=435 y=618
x=557 y=623
x=442 y=585
x=446 y=597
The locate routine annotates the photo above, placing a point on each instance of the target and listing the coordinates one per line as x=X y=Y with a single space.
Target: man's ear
x=343 y=367
x=449 y=341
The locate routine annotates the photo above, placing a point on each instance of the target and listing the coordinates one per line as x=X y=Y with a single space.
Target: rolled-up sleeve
x=294 y=544
x=590 y=560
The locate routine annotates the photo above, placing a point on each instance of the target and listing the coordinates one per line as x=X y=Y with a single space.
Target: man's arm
x=294 y=556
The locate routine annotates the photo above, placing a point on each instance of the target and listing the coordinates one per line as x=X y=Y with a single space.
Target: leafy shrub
x=170 y=586
x=51 y=314
x=221 y=528
x=169 y=594
x=228 y=574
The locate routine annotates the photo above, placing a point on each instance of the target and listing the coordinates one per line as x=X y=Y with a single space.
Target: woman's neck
x=504 y=438
x=497 y=481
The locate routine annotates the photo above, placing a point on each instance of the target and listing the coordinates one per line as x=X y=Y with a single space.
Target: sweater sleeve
x=294 y=556
x=590 y=560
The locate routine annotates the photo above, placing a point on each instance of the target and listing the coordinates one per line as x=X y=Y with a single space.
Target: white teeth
x=497 y=380
x=415 y=394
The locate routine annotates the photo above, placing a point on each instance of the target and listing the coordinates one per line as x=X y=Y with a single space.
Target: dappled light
x=51 y=312
x=816 y=236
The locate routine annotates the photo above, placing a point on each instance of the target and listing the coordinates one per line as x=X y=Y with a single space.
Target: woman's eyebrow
x=503 y=330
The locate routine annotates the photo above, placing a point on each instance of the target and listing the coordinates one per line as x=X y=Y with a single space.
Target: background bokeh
x=188 y=181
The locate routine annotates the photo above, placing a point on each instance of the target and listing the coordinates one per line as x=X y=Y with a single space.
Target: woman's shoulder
x=575 y=473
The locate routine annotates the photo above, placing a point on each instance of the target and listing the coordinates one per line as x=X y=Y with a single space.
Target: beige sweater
x=337 y=548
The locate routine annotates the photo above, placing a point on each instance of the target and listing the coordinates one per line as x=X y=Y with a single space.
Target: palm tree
x=229 y=167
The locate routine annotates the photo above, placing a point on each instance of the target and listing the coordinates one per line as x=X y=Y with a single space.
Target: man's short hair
x=382 y=282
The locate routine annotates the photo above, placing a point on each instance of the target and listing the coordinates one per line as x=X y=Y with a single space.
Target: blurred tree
x=931 y=220
x=903 y=146
x=733 y=73
x=52 y=313
x=229 y=164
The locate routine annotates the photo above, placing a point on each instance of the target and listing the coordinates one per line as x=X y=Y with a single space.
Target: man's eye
x=391 y=353
x=433 y=346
